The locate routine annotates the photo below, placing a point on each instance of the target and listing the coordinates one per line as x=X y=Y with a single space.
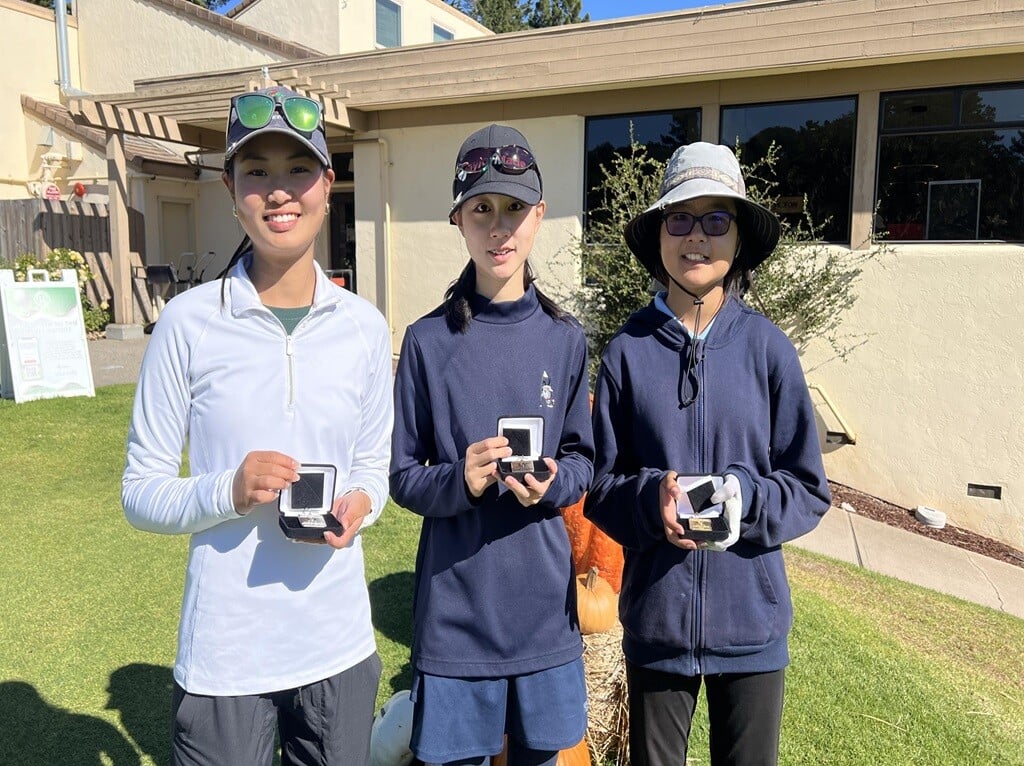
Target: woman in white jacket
x=270 y=368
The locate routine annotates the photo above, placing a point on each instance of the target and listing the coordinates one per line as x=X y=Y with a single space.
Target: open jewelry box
x=702 y=519
x=525 y=434
x=304 y=508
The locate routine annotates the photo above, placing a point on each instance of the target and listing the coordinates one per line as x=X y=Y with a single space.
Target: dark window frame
x=845 y=237
x=916 y=228
x=588 y=182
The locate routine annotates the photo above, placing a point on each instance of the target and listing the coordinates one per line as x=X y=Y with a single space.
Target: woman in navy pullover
x=497 y=646
x=697 y=383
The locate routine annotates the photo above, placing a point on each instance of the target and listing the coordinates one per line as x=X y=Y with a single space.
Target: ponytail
x=243 y=247
x=457 y=310
x=551 y=308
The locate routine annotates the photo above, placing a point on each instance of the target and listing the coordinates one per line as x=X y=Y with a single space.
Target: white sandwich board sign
x=43 y=349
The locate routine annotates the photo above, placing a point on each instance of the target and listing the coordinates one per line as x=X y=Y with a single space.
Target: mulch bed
x=897 y=516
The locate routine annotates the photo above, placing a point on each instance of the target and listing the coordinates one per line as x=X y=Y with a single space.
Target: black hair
x=739 y=278
x=457 y=310
x=244 y=246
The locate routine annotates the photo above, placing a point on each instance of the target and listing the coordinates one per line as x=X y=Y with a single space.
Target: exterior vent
x=988 y=491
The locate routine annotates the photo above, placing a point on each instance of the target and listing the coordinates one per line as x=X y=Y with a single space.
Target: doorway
x=343 y=238
x=177 y=231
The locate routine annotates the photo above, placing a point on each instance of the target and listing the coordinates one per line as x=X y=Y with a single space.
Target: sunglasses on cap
x=255 y=110
x=714 y=224
x=511 y=160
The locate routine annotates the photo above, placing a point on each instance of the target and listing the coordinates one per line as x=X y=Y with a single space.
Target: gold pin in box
x=525 y=434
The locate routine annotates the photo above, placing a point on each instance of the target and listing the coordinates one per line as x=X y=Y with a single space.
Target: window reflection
x=947 y=176
x=815 y=159
x=661 y=133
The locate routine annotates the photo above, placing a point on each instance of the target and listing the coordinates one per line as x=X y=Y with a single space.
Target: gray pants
x=324 y=723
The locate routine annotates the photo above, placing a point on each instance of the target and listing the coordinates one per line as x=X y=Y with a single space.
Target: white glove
x=730 y=495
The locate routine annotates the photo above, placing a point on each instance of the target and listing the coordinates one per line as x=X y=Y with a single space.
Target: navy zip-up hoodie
x=495 y=590
x=703 y=612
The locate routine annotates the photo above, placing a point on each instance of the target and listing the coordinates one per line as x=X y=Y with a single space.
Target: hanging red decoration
x=79 y=189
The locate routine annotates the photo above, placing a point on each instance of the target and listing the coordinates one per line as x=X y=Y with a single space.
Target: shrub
x=96 y=317
x=805 y=286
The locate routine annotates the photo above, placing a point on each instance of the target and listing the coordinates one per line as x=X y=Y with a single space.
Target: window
x=344 y=166
x=661 y=133
x=389 y=24
x=815 y=156
x=441 y=34
x=951 y=164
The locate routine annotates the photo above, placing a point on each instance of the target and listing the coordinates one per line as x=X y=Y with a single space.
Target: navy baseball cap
x=276 y=110
x=519 y=177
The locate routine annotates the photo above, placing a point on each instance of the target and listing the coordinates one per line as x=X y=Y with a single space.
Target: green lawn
x=883 y=672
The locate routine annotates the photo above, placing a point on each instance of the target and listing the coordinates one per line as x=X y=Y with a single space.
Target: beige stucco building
x=933 y=395
x=112 y=43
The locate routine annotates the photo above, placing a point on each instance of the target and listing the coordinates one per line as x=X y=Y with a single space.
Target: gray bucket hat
x=525 y=186
x=238 y=135
x=704 y=170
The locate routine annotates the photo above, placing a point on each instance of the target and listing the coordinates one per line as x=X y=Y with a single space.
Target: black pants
x=327 y=722
x=745 y=711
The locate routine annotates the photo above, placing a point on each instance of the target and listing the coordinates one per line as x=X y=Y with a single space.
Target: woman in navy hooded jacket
x=496 y=644
x=698 y=383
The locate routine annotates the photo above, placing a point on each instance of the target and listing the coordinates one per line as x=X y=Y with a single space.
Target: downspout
x=60 y=18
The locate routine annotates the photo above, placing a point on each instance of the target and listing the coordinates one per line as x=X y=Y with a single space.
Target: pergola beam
x=98 y=114
x=337 y=114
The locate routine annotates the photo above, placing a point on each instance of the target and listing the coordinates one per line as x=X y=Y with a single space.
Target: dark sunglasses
x=255 y=110
x=714 y=224
x=511 y=160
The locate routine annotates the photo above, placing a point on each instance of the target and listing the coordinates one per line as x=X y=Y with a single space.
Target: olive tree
x=805 y=286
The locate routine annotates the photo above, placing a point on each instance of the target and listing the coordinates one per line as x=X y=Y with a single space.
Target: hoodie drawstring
x=691 y=363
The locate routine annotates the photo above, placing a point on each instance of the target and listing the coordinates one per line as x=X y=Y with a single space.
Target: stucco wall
x=127 y=40
x=347 y=26
x=30 y=46
x=426 y=253
x=314 y=23
x=933 y=385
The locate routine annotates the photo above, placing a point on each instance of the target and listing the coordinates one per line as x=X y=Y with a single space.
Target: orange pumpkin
x=591 y=547
x=574 y=756
x=596 y=603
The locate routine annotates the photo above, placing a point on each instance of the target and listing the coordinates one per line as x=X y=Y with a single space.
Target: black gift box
x=702 y=519
x=525 y=434
x=304 y=508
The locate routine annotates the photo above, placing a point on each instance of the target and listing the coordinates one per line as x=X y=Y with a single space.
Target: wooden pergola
x=180 y=119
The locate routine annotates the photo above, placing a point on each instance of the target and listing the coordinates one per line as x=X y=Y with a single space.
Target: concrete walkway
x=116 y=361
x=842 y=535
x=917 y=559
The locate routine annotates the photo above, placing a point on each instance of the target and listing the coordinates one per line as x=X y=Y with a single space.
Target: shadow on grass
x=35 y=732
x=141 y=694
x=391 y=601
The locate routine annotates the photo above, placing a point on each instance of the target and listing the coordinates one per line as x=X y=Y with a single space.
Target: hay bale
x=608 y=720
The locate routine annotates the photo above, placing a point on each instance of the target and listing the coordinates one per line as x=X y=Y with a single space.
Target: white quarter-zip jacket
x=260 y=613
